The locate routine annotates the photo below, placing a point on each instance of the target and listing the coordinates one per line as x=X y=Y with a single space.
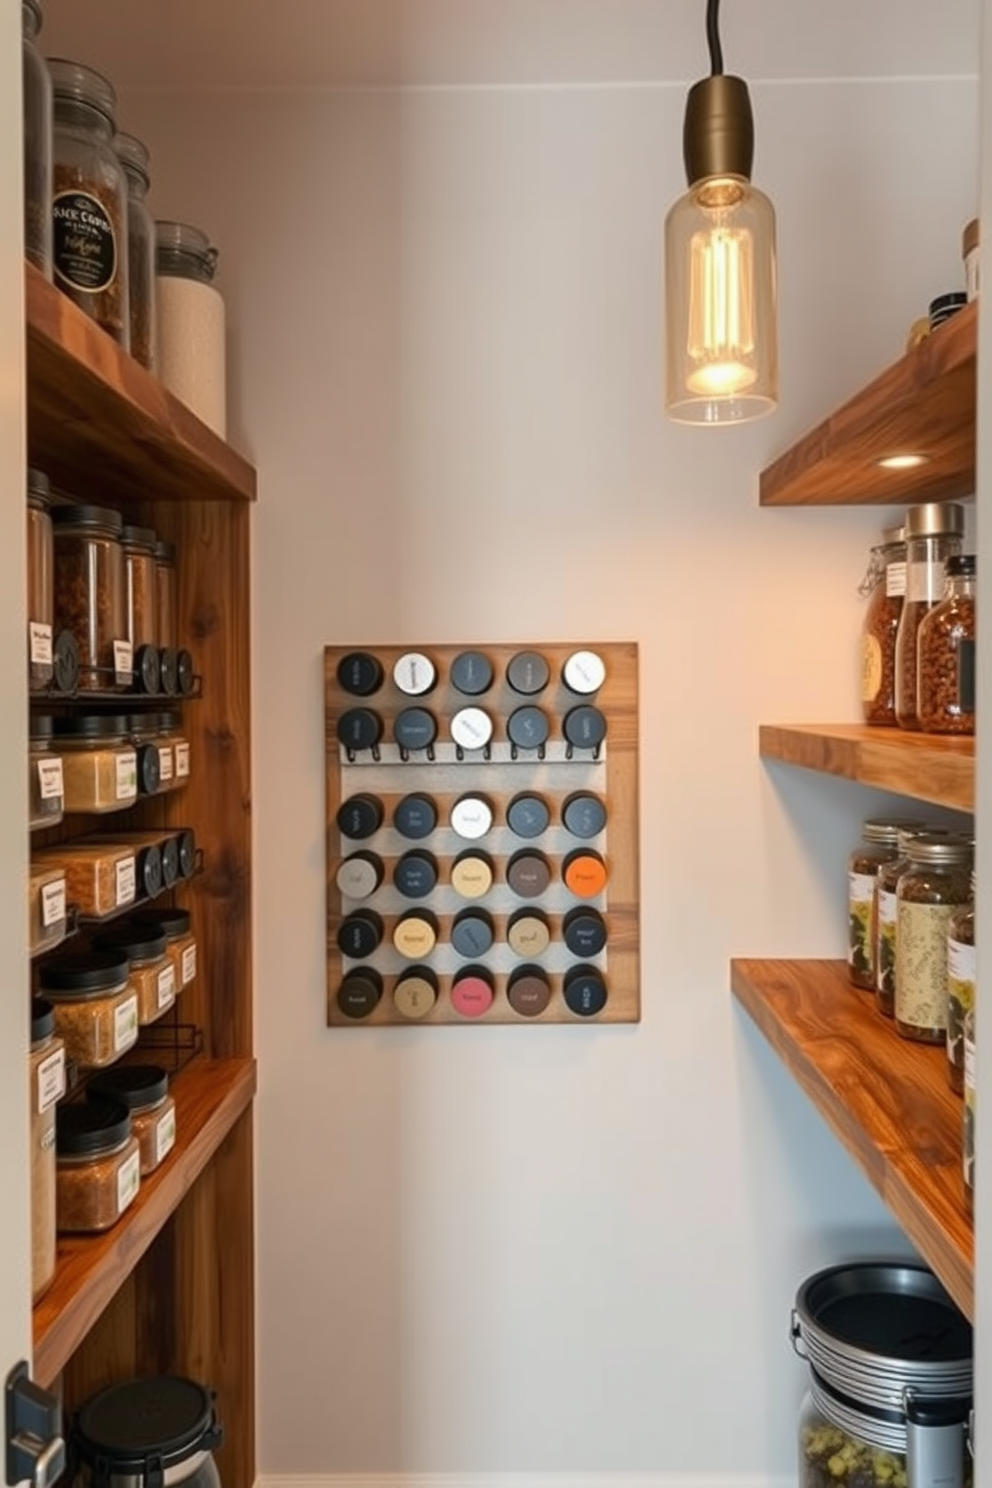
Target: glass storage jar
x=191 y=331
x=180 y=942
x=90 y=594
x=141 y=619
x=933 y=534
x=47 y=912
x=969 y=1116
x=151 y=975
x=886 y=912
x=99 y=763
x=961 y=985
x=157 y=849
x=879 y=844
x=946 y=654
x=165 y=615
x=98 y=1166
x=173 y=735
x=936 y=883
x=885 y=583
x=40 y=582
x=89 y=197
x=161 y=1429
x=133 y=156
x=46 y=1086
x=143 y=731
x=36 y=85
x=96 y=1012
x=144 y=1089
x=45 y=788
x=100 y=877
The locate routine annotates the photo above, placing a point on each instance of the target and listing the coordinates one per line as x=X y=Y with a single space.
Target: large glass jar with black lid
x=945 y=645
x=961 y=985
x=937 y=882
x=879 y=844
x=141 y=1433
x=89 y=198
x=46 y=793
x=180 y=942
x=96 y=1011
x=934 y=533
x=46 y=1086
x=144 y=1089
x=141 y=620
x=37 y=99
x=99 y=761
x=885 y=586
x=90 y=595
x=98 y=1165
x=40 y=582
x=134 y=157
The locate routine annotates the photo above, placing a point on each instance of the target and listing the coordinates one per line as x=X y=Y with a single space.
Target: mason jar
x=879 y=845
x=933 y=534
x=961 y=985
x=191 y=322
x=134 y=157
x=885 y=583
x=37 y=99
x=945 y=646
x=937 y=882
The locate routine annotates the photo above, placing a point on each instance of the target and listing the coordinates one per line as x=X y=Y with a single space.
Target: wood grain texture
x=925 y=402
x=102 y=426
x=887 y=1100
x=928 y=767
x=210 y=1097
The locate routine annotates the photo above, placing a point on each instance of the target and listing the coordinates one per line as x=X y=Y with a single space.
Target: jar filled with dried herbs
x=90 y=593
x=89 y=198
x=933 y=534
x=37 y=99
x=41 y=583
x=134 y=157
x=946 y=654
x=886 y=923
x=46 y=1086
x=885 y=583
x=937 y=882
x=879 y=845
x=961 y=984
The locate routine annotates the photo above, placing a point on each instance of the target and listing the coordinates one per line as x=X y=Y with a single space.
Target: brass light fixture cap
x=718 y=132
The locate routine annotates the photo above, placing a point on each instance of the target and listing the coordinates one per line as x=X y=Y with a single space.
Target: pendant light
x=721 y=332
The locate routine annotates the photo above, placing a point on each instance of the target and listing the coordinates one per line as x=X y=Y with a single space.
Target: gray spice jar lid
x=88 y=1128
x=935 y=519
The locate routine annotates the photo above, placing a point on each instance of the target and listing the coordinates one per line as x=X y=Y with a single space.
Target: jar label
x=128 y=1179
x=189 y=964
x=924 y=582
x=123 y=663
x=51 y=1080
x=960 y=996
x=895 y=580
x=165 y=762
x=961 y=967
x=860 y=895
x=921 y=964
x=182 y=761
x=125 y=1024
x=39 y=643
x=127 y=775
x=871 y=668
x=127 y=880
x=885 y=942
x=165 y=1135
x=166 y=987
x=53 y=903
x=84 y=244
x=50 y=786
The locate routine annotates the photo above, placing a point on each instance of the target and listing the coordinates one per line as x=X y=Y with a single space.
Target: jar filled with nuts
x=945 y=646
x=933 y=535
x=961 y=985
x=879 y=844
x=90 y=594
x=885 y=582
x=937 y=883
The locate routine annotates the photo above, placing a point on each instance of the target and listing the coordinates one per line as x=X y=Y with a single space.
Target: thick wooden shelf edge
x=887 y=1100
x=211 y=1096
x=927 y=767
x=93 y=406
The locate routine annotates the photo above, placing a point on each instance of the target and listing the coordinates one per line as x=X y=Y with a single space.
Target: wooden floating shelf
x=94 y=408
x=887 y=1100
x=211 y=1095
x=928 y=767
x=924 y=403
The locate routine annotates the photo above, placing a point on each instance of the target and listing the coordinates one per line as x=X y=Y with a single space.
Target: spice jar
x=89 y=197
x=40 y=582
x=879 y=844
x=151 y=975
x=90 y=593
x=45 y=788
x=173 y=735
x=47 y=922
x=158 y=853
x=933 y=534
x=144 y=1090
x=165 y=615
x=138 y=545
x=191 y=330
x=886 y=883
x=968 y=1121
x=99 y=763
x=134 y=157
x=961 y=985
x=100 y=878
x=885 y=582
x=96 y=1013
x=143 y=731
x=945 y=646
x=180 y=942
x=46 y=1086
x=98 y=1170
x=936 y=883
x=36 y=87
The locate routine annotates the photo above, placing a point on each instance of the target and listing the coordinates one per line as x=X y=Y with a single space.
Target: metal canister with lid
x=937 y=882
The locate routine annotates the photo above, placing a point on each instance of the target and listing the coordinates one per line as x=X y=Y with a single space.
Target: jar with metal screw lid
x=886 y=911
x=879 y=844
x=191 y=334
x=933 y=534
x=945 y=646
x=37 y=99
x=46 y=1086
x=961 y=985
x=937 y=882
x=40 y=582
x=134 y=157
x=885 y=583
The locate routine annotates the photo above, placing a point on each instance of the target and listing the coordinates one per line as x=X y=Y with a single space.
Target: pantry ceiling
x=169 y=44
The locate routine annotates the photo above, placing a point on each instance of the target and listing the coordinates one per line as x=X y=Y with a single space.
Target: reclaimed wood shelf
x=924 y=403
x=211 y=1096
x=928 y=767
x=95 y=415
x=887 y=1100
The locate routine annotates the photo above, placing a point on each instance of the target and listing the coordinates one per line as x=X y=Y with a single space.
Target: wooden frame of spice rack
x=886 y=1099
x=171 y=1286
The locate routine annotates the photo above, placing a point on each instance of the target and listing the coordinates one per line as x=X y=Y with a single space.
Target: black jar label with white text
x=84 y=244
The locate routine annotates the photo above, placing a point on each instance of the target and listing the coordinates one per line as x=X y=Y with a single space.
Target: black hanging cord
x=713 y=37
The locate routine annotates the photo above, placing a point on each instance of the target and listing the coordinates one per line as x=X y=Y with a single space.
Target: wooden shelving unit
x=927 y=767
x=886 y=1099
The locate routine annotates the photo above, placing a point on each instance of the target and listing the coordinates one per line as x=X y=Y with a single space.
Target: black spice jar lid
x=415 y=874
x=585 y=991
x=528 y=672
x=139 y=537
x=143 y=1425
x=360 y=992
x=415 y=817
x=168 y=661
x=360 y=934
x=473 y=933
x=42 y=1019
x=360 y=816
x=584 y=815
x=584 y=727
x=89 y=518
x=585 y=932
x=528 y=815
x=136 y=1086
x=148 y=670
x=471 y=673
x=169 y=856
x=38 y=484
x=40 y=728
x=137 y=942
x=360 y=673
x=359 y=728
x=172 y=923
x=528 y=727
x=150 y=869
x=149 y=769
x=165 y=552
x=65 y=659
x=83 y=974
x=88 y=1128
x=415 y=729
x=185 y=675
x=186 y=845
x=91 y=726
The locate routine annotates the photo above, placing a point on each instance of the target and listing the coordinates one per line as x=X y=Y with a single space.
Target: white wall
x=554 y=1249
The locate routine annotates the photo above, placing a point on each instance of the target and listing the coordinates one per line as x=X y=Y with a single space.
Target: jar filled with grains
x=144 y=1090
x=885 y=583
x=37 y=98
x=879 y=845
x=151 y=975
x=180 y=942
x=100 y=877
x=98 y=1165
x=937 y=882
x=46 y=1086
x=961 y=985
x=90 y=595
x=933 y=535
x=134 y=157
x=47 y=907
x=99 y=763
x=45 y=788
x=173 y=735
x=138 y=545
x=191 y=322
x=946 y=654
x=96 y=1012
x=886 y=919
x=89 y=198
x=40 y=582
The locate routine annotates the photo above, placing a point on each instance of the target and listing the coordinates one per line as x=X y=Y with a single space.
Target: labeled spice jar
x=968 y=1118
x=937 y=882
x=945 y=646
x=40 y=582
x=36 y=85
x=173 y=736
x=177 y=664
x=151 y=974
x=90 y=593
x=140 y=617
x=98 y=1171
x=879 y=844
x=89 y=198
x=96 y=1012
x=100 y=877
x=46 y=1086
x=45 y=788
x=47 y=912
x=157 y=850
x=180 y=942
x=134 y=157
x=99 y=763
x=144 y=1090
x=961 y=985
x=191 y=322
x=933 y=534
x=885 y=583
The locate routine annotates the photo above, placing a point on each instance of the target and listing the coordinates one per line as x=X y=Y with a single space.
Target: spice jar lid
x=139 y=943
x=73 y=82
x=139 y=537
x=171 y=723
x=969 y=238
x=892 y=535
x=133 y=156
x=39 y=485
x=91 y=726
x=935 y=519
x=888 y=828
x=184 y=252
x=40 y=728
x=165 y=552
x=83 y=974
x=136 y=1086
x=42 y=1019
x=85 y=1129
x=88 y=518
x=31 y=16
x=963 y=566
x=186 y=844
x=172 y=923
x=929 y=848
